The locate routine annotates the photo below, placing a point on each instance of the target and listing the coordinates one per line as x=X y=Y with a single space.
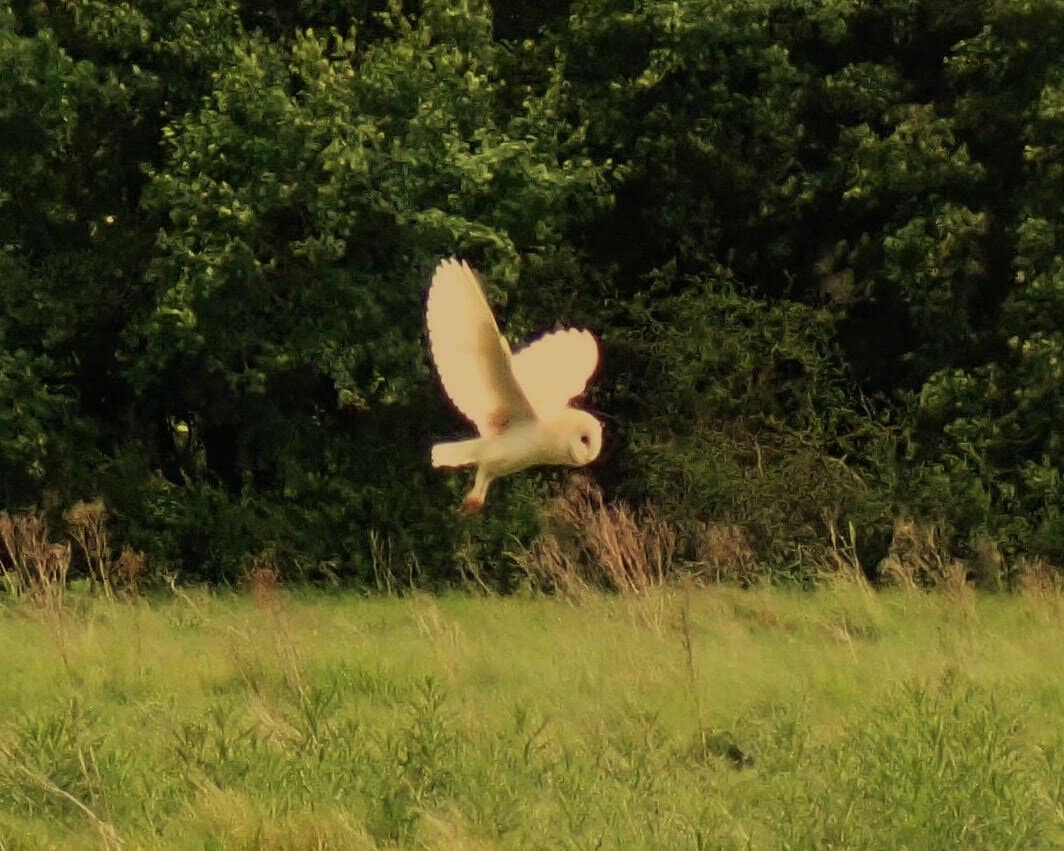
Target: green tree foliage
x=879 y=164
x=1002 y=419
x=821 y=240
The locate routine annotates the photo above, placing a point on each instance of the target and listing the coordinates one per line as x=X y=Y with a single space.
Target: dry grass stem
x=549 y=566
x=1037 y=578
x=916 y=557
x=382 y=558
x=87 y=525
x=843 y=561
x=953 y=581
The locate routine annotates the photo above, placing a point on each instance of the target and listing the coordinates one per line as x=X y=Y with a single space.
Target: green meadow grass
x=697 y=718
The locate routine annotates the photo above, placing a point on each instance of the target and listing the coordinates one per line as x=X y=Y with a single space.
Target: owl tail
x=456 y=454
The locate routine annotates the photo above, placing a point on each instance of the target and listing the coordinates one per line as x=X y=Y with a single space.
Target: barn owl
x=519 y=403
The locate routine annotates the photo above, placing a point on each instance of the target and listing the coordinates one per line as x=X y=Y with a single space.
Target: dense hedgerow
x=821 y=242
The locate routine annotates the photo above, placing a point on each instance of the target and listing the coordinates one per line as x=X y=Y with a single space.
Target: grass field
x=697 y=718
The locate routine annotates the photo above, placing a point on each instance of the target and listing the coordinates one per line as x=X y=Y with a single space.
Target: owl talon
x=470 y=505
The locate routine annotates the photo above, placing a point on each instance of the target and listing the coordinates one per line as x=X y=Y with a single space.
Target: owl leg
x=474 y=500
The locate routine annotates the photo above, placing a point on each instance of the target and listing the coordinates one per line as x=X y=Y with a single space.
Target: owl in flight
x=518 y=402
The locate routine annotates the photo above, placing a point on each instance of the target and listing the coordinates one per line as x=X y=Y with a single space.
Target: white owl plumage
x=519 y=402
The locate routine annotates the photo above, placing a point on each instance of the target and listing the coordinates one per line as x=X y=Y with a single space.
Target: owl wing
x=471 y=356
x=556 y=368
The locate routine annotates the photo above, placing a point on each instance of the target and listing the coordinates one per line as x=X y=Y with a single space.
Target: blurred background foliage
x=821 y=241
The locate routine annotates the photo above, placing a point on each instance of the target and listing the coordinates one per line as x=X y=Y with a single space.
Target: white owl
x=519 y=403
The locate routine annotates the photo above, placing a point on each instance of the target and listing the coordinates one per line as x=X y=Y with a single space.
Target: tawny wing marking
x=556 y=368
x=471 y=356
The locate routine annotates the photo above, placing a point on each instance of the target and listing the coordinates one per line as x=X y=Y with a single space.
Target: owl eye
x=585 y=439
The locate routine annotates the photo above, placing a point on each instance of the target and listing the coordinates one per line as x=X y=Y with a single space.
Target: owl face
x=584 y=436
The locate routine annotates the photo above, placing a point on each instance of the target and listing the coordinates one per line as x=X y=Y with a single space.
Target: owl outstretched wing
x=556 y=368
x=471 y=356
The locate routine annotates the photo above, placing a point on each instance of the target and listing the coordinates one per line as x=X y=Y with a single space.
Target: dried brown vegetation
x=33 y=564
x=588 y=542
x=841 y=561
x=263 y=580
x=1036 y=577
x=725 y=553
x=87 y=526
x=917 y=557
x=130 y=568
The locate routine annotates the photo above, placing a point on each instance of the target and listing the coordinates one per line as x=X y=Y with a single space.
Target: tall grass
x=680 y=717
